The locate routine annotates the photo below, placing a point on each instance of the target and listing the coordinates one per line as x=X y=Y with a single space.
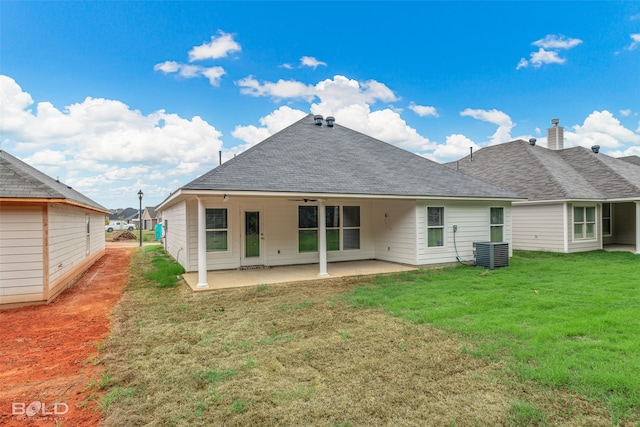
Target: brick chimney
x=555 y=136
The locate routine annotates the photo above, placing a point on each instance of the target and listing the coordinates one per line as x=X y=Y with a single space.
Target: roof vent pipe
x=595 y=149
x=532 y=142
x=471 y=154
x=318 y=119
x=330 y=121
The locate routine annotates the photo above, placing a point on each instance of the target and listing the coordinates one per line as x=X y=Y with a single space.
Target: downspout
x=202 y=246
x=565 y=224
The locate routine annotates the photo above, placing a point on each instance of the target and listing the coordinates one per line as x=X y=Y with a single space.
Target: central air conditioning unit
x=491 y=254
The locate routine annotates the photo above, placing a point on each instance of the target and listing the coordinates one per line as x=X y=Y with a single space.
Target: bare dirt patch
x=45 y=350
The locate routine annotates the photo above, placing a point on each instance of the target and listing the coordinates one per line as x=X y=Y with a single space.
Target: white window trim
x=595 y=224
x=218 y=229
x=602 y=218
x=496 y=225
x=429 y=227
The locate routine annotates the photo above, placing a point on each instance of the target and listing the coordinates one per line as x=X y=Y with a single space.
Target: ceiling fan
x=303 y=200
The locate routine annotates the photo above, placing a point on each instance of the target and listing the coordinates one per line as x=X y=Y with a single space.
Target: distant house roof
x=18 y=180
x=307 y=158
x=124 y=214
x=151 y=210
x=542 y=174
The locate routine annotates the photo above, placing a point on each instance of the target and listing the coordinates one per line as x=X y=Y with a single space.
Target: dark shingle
x=19 y=180
x=306 y=158
x=543 y=174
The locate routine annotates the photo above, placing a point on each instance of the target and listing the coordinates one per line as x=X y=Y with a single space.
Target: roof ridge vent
x=318 y=119
x=330 y=121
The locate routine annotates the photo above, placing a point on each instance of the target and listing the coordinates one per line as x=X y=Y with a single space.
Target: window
x=342 y=227
x=87 y=220
x=332 y=215
x=584 y=222
x=217 y=230
x=351 y=227
x=435 y=227
x=307 y=228
x=606 y=219
x=497 y=224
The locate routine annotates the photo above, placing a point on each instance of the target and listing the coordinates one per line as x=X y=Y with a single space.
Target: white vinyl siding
x=472 y=219
x=175 y=241
x=395 y=230
x=44 y=248
x=390 y=229
x=68 y=237
x=21 y=254
x=538 y=227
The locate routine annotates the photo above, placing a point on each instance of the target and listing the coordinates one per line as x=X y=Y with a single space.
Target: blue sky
x=115 y=96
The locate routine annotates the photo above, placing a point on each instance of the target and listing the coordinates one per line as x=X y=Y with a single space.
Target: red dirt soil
x=45 y=350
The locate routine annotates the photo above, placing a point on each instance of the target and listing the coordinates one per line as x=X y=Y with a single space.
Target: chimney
x=555 y=136
x=318 y=119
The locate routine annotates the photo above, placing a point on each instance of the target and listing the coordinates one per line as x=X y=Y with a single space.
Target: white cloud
x=625 y=113
x=424 y=110
x=188 y=71
x=552 y=41
x=548 y=52
x=502 y=120
x=545 y=57
x=310 y=61
x=219 y=47
x=455 y=147
x=348 y=100
x=635 y=42
x=282 y=89
x=102 y=140
x=603 y=129
x=271 y=124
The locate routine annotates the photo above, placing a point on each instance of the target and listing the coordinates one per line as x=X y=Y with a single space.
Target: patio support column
x=322 y=239
x=638 y=227
x=202 y=246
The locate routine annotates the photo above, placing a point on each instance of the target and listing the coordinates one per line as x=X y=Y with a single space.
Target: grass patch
x=564 y=320
x=165 y=270
x=328 y=353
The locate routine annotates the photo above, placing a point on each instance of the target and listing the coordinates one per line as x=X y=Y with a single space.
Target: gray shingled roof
x=307 y=158
x=543 y=174
x=18 y=180
x=631 y=159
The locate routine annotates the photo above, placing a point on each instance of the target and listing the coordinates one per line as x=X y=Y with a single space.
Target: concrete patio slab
x=226 y=279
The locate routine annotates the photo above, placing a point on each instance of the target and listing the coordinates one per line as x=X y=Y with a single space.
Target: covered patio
x=237 y=278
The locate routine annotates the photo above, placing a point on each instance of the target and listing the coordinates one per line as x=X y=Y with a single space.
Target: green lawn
x=550 y=340
x=561 y=320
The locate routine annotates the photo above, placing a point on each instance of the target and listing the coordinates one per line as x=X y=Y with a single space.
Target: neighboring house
x=49 y=234
x=578 y=199
x=318 y=192
x=129 y=215
x=149 y=218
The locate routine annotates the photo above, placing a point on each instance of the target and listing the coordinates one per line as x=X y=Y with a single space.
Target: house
x=129 y=215
x=49 y=234
x=318 y=192
x=149 y=218
x=577 y=199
